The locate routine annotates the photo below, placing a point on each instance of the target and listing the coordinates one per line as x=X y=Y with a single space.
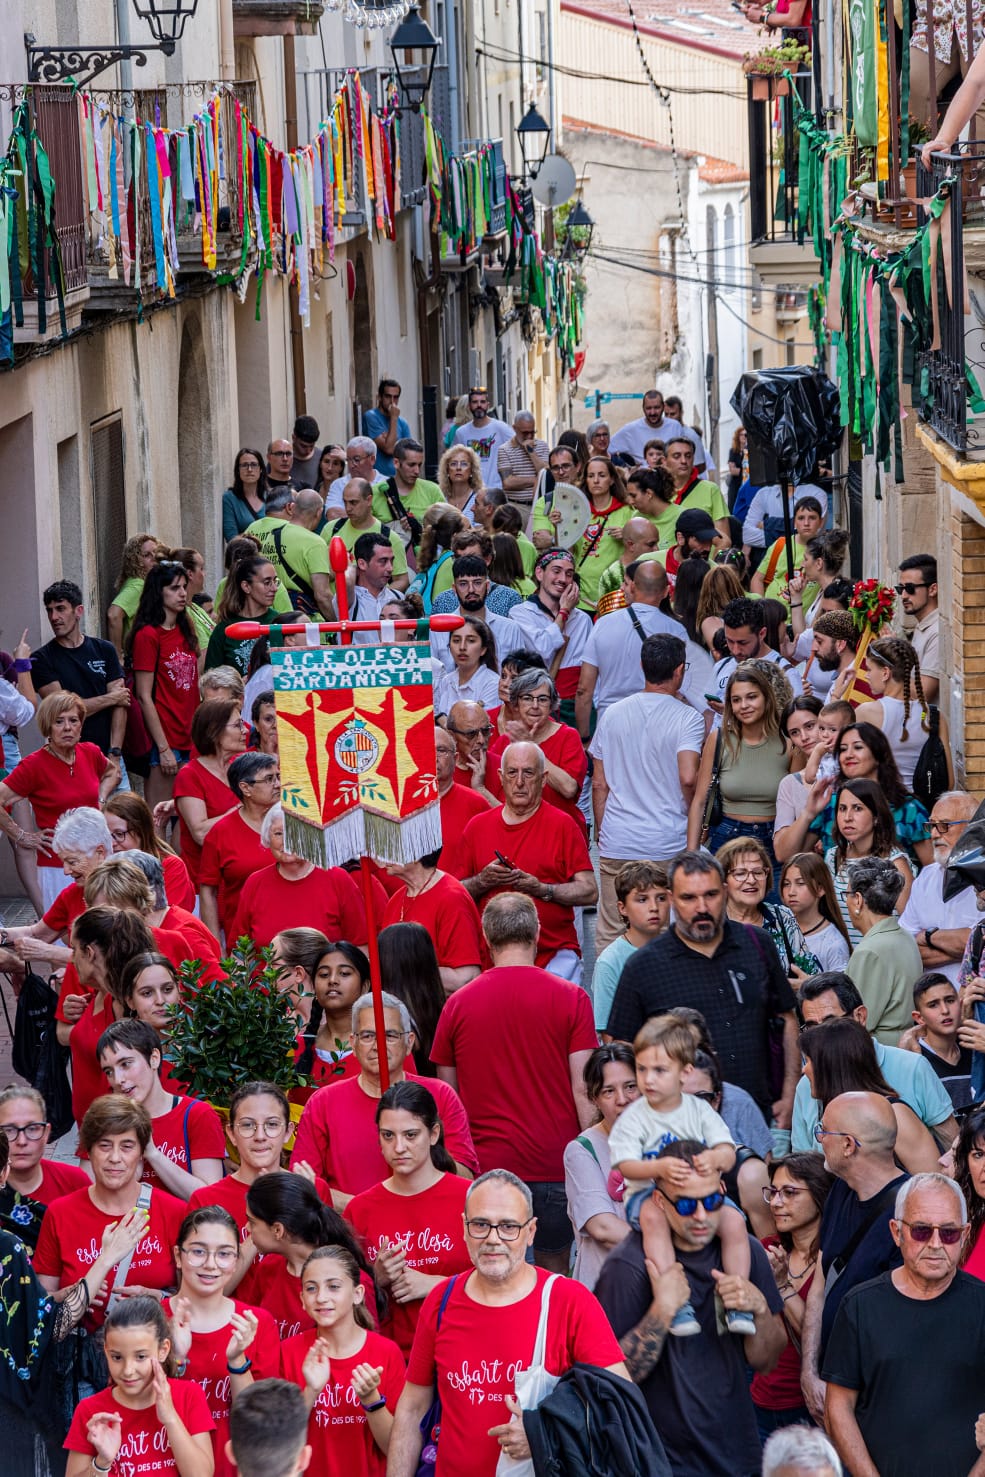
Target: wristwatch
x=115 y=752
x=928 y=935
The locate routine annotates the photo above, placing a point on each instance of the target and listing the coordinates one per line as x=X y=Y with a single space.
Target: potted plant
x=767 y=67
x=919 y=135
x=237 y=1030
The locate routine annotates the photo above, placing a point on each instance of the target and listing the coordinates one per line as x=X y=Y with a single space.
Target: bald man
x=459 y=802
x=640 y=540
x=611 y=667
x=287 y=539
x=941 y=929
x=857 y=1134
x=527 y=846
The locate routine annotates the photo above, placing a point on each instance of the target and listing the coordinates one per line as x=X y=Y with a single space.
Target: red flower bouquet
x=872 y=606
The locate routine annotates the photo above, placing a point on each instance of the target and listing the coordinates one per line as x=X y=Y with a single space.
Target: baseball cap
x=695 y=523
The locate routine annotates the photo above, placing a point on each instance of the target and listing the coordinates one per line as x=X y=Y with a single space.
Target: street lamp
x=578 y=220
x=166 y=19
x=534 y=135
x=414 y=35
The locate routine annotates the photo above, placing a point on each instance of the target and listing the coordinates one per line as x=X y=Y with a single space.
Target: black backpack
x=594 y=1424
x=37 y=1053
x=930 y=778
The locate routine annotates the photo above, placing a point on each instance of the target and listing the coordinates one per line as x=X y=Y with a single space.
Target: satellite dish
x=555 y=182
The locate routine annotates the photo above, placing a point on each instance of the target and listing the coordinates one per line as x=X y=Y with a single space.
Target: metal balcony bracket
x=79 y=64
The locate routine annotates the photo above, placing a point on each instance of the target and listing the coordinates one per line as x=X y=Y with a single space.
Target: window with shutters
x=109 y=504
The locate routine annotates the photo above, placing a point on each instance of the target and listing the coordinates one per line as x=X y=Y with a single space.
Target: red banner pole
x=338 y=558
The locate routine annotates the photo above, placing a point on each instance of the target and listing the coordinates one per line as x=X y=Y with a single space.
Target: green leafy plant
x=919 y=132
x=224 y=1033
x=772 y=61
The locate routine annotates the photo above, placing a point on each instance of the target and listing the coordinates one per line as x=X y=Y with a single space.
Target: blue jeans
x=727 y=830
x=769 y=1421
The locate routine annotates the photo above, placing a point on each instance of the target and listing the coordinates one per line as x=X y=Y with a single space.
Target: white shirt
x=638 y=740
x=485 y=441
x=640 y=1127
x=634 y=436
x=482 y=687
x=927 y=642
x=926 y=908
x=541 y=627
x=334 y=499
x=15 y=709
x=768 y=503
x=509 y=637
x=366 y=606
x=614 y=648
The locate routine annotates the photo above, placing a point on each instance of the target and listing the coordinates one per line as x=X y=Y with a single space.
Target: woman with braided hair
x=893 y=673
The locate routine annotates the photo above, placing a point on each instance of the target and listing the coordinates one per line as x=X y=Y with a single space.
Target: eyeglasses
x=748 y=874
x=821 y=1133
x=368 y=1038
x=781 y=1192
x=282 y=453
x=687 y=1205
x=197 y=1256
x=480 y=1229
x=908 y=589
x=950 y=1235
x=945 y=826
x=706 y=1096
x=31 y=1131
x=249 y=1128
x=471 y=733
x=249 y=466
x=535 y=701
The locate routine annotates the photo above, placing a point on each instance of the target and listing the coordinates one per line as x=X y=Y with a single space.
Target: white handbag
x=533 y=1385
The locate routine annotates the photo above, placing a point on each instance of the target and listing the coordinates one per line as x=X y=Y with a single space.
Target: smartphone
x=504 y=861
x=713 y=697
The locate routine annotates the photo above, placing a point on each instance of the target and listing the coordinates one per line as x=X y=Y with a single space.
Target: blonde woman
x=460 y=477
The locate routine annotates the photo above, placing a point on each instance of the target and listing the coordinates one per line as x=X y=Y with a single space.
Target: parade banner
x=357 y=759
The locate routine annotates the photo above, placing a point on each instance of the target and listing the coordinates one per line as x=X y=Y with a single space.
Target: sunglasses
x=688 y=1205
x=950 y=1235
x=908 y=589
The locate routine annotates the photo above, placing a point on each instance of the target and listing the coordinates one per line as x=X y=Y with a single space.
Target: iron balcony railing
x=774 y=156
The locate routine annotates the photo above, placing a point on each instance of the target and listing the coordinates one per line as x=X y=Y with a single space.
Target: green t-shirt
x=417 y=502
x=128 y=598
x=224 y=651
x=595 y=550
x=306 y=553
x=202 y=622
x=527 y=553
x=349 y=535
x=776 y=589
x=704 y=495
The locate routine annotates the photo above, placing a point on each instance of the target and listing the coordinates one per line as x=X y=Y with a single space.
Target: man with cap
x=304 y=441
x=694 y=535
x=555 y=626
x=640 y=540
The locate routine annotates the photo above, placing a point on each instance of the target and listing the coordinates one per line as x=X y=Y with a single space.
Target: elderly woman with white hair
x=294 y=893
x=800 y=1451
x=338 y=1134
x=534 y=696
x=82 y=840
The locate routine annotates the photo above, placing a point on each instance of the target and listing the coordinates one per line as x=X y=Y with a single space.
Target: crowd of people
x=715 y=1194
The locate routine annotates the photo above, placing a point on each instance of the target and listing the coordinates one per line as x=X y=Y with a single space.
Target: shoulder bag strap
x=884 y=1199
x=586 y=1143
x=338 y=525
x=184 y=1133
x=444 y=1300
x=597 y=539
x=638 y=628
x=394 y=503
x=302 y=584
x=540 y=1344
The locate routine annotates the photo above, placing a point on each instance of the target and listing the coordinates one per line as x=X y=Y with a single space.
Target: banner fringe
x=362 y=833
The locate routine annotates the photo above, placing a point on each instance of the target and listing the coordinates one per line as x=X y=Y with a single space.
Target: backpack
x=38 y=1055
x=930 y=778
x=423 y=584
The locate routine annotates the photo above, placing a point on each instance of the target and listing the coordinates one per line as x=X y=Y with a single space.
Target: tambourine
x=576 y=514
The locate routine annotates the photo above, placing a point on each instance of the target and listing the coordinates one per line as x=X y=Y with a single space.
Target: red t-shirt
x=450 y=916
x=193 y=779
x=58 y=1179
x=326 y=899
x=231 y=853
x=430 y=1227
x=207 y=1368
x=205 y=1136
x=525 y=1129
x=338 y=1137
x=178 y=946
x=341 y=1441
x=269 y=1284
x=975 y=1265
x=178 y=887
x=230 y=1193
x=474 y=1357
x=146 y=1446
x=88 y=1082
x=72 y=1233
x=549 y=845
x=174 y=664
x=52 y=786
x=202 y=943
x=564 y=748
x=780 y=1389
x=458 y=807
x=68 y=905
